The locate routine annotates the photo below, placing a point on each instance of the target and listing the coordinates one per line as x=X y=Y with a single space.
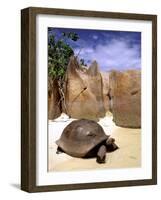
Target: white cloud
x=95 y=37
x=114 y=55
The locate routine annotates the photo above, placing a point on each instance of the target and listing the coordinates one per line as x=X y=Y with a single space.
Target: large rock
x=54 y=106
x=84 y=96
x=125 y=93
x=106 y=88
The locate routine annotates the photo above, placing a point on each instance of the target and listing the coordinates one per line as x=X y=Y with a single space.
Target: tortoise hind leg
x=101 y=154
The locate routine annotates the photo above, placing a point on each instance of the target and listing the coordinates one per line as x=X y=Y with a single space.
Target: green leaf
x=59 y=52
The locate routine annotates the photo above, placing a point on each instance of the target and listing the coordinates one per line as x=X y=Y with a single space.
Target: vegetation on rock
x=59 y=53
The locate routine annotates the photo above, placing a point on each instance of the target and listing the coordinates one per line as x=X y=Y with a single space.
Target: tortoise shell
x=80 y=137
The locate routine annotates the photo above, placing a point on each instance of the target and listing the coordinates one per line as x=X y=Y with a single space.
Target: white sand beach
x=128 y=155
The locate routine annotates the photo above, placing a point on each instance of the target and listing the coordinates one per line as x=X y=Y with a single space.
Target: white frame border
x=43 y=177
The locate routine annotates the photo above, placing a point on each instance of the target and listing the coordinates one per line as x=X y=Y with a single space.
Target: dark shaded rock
x=106 y=88
x=54 y=109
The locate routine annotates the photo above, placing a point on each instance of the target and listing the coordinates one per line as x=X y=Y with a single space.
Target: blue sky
x=120 y=50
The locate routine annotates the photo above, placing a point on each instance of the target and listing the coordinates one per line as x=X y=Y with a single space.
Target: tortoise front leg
x=101 y=154
x=110 y=144
x=59 y=150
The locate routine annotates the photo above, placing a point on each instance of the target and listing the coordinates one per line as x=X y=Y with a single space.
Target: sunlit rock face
x=84 y=91
x=53 y=100
x=106 y=88
x=125 y=93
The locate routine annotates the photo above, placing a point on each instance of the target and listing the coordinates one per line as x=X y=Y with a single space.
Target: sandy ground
x=128 y=155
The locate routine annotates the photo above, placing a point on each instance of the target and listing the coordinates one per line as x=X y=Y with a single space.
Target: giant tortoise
x=85 y=138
